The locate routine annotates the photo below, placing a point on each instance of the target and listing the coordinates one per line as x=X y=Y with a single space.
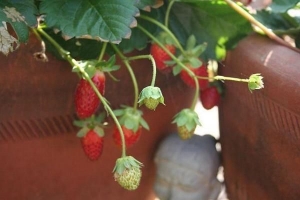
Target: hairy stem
x=131 y=73
x=168 y=13
x=102 y=51
x=150 y=57
x=164 y=28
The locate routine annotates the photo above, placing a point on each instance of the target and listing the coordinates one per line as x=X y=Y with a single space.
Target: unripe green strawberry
x=127 y=172
x=130 y=178
x=184 y=133
x=86 y=100
x=186 y=121
x=151 y=96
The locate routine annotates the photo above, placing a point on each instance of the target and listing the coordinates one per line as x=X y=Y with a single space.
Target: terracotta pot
x=41 y=157
x=260 y=131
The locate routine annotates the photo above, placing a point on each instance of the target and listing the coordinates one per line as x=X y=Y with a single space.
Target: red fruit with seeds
x=131 y=137
x=199 y=71
x=210 y=97
x=86 y=100
x=92 y=145
x=160 y=56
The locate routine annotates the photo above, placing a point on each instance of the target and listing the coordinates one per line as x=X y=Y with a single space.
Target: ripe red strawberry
x=160 y=56
x=86 y=100
x=210 y=97
x=131 y=137
x=92 y=145
x=200 y=71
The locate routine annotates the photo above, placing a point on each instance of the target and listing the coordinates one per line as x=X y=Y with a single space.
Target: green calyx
x=131 y=118
x=187 y=118
x=126 y=162
x=91 y=66
x=165 y=38
x=94 y=123
x=191 y=55
x=255 y=82
x=151 y=96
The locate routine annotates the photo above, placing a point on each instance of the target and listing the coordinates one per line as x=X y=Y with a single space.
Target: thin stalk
x=163 y=27
x=131 y=73
x=252 y=20
x=224 y=78
x=168 y=13
x=177 y=61
x=150 y=57
x=103 y=49
x=66 y=55
x=109 y=110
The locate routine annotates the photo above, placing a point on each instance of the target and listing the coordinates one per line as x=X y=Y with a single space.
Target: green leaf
x=276 y=21
x=26 y=9
x=138 y=39
x=282 y=5
x=20 y=14
x=144 y=3
x=81 y=49
x=100 y=19
x=213 y=22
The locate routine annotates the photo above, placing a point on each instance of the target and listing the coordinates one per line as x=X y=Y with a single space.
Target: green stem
x=131 y=73
x=252 y=20
x=108 y=109
x=177 y=43
x=225 y=78
x=65 y=54
x=73 y=62
x=177 y=61
x=150 y=57
x=103 y=49
x=168 y=13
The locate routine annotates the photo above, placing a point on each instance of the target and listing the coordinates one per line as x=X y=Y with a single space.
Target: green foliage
x=279 y=19
x=99 y=19
x=213 y=22
x=283 y=5
x=19 y=14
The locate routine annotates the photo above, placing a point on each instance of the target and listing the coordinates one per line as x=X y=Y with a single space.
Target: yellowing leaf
x=7 y=42
x=13 y=14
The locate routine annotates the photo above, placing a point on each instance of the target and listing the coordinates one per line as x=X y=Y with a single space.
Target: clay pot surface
x=41 y=157
x=260 y=131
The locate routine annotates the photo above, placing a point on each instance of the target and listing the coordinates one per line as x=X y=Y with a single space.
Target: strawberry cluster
x=193 y=71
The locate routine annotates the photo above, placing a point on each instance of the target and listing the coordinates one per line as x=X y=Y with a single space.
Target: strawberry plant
x=184 y=36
